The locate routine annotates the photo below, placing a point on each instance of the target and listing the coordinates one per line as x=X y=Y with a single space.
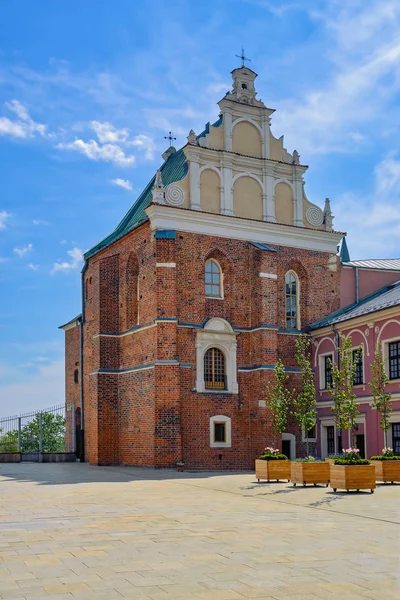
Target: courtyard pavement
x=72 y=531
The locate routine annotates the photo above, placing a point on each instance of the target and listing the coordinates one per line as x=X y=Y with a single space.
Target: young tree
x=278 y=399
x=378 y=385
x=344 y=408
x=53 y=434
x=9 y=441
x=304 y=403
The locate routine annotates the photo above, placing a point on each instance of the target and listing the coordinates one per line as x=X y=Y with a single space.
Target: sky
x=88 y=90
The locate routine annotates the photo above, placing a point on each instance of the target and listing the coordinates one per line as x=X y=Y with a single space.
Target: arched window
x=213 y=279
x=214 y=369
x=292 y=291
x=76 y=376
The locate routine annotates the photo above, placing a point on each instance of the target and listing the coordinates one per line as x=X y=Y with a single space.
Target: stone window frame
x=228 y=431
x=321 y=369
x=217 y=333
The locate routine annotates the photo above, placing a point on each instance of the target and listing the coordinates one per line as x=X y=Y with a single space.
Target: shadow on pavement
x=74 y=473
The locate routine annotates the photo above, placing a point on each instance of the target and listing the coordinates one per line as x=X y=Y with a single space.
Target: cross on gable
x=170 y=137
x=242 y=57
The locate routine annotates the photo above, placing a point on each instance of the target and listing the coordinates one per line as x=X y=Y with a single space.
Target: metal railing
x=43 y=431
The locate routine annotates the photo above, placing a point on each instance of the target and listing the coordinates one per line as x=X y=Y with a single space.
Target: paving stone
x=122 y=532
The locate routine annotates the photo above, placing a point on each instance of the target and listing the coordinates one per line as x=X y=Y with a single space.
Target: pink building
x=374 y=318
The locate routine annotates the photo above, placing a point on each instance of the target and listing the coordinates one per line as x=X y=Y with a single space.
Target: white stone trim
x=324 y=423
x=181 y=219
x=321 y=369
x=217 y=333
x=298 y=292
x=303 y=434
x=385 y=354
x=167 y=265
x=247 y=120
x=228 y=431
x=247 y=174
x=268 y=275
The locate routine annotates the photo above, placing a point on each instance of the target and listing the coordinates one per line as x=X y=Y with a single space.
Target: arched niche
x=132 y=291
x=247 y=198
x=246 y=139
x=210 y=191
x=284 y=203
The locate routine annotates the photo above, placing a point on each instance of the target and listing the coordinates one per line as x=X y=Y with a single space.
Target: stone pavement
x=78 y=532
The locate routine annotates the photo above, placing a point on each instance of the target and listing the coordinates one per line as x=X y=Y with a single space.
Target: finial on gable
x=328 y=216
x=158 y=194
x=192 y=138
x=296 y=157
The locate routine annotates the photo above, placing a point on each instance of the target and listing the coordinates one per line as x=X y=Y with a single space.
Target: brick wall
x=140 y=404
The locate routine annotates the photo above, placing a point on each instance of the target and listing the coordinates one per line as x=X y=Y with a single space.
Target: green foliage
x=378 y=385
x=272 y=454
x=53 y=435
x=308 y=459
x=344 y=408
x=349 y=463
x=279 y=398
x=380 y=457
x=304 y=403
x=9 y=441
x=350 y=457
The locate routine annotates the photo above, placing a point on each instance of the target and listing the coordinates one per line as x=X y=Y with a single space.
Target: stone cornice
x=182 y=219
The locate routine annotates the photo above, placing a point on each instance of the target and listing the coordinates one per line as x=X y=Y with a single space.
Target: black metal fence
x=46 y=431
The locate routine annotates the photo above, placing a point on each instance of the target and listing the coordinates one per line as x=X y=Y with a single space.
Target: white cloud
x=3 y=218
x=25 y=250
x=107 y=133
x=373 y=221
x=124 y=183
x=40 y=389
x=146 y=143
x=358 y=89
x=3 y=259
x=40 y=222
x=33 y=267
x=76 y=259
x=24 y=127
x=108 y=152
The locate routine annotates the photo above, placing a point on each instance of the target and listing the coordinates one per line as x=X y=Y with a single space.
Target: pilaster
x=227 y=195
x=194 y=175
x=298 y=198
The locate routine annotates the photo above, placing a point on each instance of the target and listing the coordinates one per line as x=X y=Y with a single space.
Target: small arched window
x=214 y=369
x=292 y=291
x=213 y=279
x=76 y=376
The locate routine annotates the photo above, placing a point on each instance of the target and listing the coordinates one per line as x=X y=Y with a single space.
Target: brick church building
x=190 y=301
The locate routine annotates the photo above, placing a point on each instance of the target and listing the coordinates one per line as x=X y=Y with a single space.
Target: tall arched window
x=213 y=279
x=214 y=369
x=292 y=291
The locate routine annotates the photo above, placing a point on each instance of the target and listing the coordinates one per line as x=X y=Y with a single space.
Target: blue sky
x=89 y=89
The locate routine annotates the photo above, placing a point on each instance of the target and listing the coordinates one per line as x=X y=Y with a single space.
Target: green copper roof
x=174 y=169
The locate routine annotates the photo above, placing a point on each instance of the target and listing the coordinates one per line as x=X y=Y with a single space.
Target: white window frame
x=298 y=292
x=323 y=423
x=321 y=369
x=303 y=434
x=221 y=280
x=228 y=431
x=385 y=354
x=217 y=333
x=394 y=418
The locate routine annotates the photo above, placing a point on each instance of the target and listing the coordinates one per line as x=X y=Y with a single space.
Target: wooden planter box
x=353 y=477
x=311 y=472
x=330 y=461
x=387 y=470
x=273 y=469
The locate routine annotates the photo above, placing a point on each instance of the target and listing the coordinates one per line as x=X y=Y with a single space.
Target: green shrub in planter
x=387 y=454
x=272 y=454
x=350 y=457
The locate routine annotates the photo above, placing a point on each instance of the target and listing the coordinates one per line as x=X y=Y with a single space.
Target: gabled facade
x=205 y=283
x=375 y=319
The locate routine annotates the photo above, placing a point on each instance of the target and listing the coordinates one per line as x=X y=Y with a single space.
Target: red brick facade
x=141 y=316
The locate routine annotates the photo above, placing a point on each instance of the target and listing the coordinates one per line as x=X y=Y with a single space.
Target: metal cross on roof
x=170 y=137
x=242 y=57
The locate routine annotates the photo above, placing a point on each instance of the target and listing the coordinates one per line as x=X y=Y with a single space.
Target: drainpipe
x=357 y=292
x=81 y=380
